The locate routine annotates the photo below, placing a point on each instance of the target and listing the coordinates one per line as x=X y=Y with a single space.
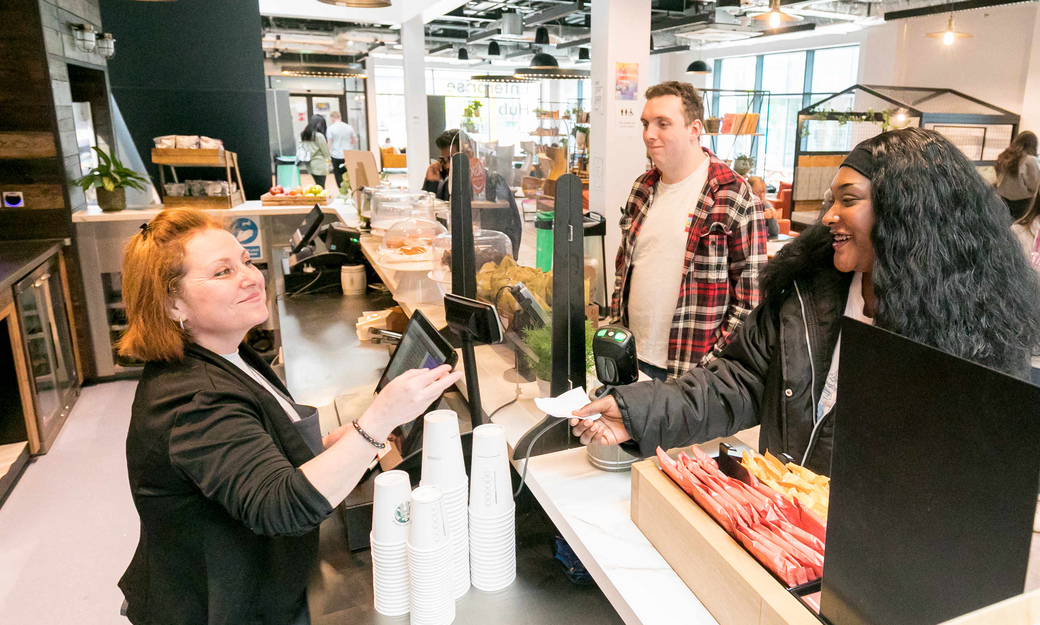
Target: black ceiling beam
x=486 y=34
x=441 y=48
x=952 y=7
x=666 y=24
x=583 y=41
x=669 y=49
x=549 y=15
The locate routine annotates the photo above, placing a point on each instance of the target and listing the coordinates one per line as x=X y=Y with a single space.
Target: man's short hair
x=692 y=104
x=335 y=115
x=756 y=183
x=446 y=138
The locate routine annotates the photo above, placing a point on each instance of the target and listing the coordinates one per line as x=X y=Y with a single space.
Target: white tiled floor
x=69 y=527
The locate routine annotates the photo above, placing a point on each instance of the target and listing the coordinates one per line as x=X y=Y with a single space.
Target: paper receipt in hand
x=563 y=407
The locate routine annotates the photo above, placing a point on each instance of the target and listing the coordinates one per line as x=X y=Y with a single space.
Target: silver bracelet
x=368 y=438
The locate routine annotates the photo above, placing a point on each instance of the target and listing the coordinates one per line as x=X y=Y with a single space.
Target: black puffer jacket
x=772 y=373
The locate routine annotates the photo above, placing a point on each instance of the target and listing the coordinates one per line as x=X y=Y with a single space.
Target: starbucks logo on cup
x=403 y=512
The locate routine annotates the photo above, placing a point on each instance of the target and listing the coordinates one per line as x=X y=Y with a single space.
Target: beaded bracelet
x=368 y=438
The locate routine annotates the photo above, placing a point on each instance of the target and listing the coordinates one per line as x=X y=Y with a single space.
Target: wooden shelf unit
x=191 y=157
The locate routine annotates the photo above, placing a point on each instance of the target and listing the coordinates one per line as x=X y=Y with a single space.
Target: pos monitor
x=306 y=231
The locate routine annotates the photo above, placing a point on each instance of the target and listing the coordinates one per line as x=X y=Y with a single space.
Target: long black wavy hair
x=948 y=272
x=316 y=125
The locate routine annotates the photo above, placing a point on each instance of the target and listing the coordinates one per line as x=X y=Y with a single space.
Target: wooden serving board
x=293 y=200
x=731 y=584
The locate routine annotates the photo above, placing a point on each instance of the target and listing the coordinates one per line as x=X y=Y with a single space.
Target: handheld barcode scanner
x=614 y=350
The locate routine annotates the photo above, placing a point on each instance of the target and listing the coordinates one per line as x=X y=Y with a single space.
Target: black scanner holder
x=317 y=253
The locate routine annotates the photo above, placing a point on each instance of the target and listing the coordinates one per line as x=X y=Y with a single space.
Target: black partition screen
x=933 y=483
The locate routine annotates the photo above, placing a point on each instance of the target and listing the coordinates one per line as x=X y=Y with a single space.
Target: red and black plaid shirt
x=725 y=250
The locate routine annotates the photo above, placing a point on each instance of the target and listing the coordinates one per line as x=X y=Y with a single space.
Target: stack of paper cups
x=492 y=512
x=429 y=560
x=444 y=467
x=389 y=538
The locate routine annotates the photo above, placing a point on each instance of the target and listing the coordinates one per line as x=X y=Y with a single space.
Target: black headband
x=861 y=159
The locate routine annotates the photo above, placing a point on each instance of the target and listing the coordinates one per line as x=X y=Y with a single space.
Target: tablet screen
x=421 y=347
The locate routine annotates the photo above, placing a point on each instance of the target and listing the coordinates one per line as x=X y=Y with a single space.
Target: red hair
x=153 y=267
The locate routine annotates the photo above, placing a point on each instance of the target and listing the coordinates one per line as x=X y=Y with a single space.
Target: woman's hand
x=607 y=430
x=405 y=398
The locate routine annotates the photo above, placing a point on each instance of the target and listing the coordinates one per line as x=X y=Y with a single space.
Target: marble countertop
x=252 y=207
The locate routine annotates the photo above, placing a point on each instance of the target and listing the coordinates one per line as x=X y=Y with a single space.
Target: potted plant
x=712 y=125
x=470 y=114
x=111 y=178
x=581 y=136
x=539 y=341
x=567 y=114
x=539 y=112
x=743 y=164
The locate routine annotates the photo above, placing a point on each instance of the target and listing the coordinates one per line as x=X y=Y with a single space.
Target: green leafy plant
x=846 y=116
x=472 y=109
x=344 y=187
x=111 y=174
x=539 y=341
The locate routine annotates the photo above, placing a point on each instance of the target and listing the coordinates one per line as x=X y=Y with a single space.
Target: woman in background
x=313 y=140
x=1027 y=229
x=1018 y=174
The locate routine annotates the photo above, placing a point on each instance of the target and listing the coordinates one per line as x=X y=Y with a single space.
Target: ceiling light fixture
x=541 y=36
x=321 y=71
x=775 y=16
x=106 y=45
x=463 y=54
x=546 y=66
x=583 y=54
x=84 y=36
x=698 y=67
x=497 y=78
x=493 y=49
x=358 y=4
x=949 y=34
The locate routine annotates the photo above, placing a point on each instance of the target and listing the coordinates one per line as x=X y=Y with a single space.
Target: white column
x=1031 y=93
x=417 y=125
x=370 y=107
x=620 y=34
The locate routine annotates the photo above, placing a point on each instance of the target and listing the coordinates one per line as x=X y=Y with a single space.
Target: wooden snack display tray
x=293 y=200
x=731 y=584
x=211 y=202
x=191 y=157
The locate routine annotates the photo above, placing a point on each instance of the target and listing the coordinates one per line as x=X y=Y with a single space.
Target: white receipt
x=562 y=407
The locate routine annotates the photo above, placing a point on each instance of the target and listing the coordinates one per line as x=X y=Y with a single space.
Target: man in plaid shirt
x=687 y=271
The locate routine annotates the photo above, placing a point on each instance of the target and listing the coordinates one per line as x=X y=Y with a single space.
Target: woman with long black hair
x=1018 y=173
x=314 y=149
x=915 y=242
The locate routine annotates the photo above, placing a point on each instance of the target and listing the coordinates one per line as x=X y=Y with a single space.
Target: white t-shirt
x=853 y=308
x=1027 y=237
x=658 y=263
x=236 y=360
x=341 y=137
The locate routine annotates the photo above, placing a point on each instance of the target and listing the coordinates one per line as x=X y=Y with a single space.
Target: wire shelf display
x=829 y=128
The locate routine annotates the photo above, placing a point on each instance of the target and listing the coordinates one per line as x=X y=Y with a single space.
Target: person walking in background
x=758 y=187
x=1027 y=229
x=1018 y=173
x=314 y=150
x=692 y=243
x=341 y=138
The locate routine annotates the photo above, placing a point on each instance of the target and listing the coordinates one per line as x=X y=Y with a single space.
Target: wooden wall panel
x=39 y=196
x=19 y=145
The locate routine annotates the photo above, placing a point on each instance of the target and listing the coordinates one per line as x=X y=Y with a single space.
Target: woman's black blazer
x=229 y=523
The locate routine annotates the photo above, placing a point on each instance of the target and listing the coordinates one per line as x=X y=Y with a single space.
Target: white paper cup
x=442 y=462
x=353 y=280
x=427 y=528
x=390 y=508
x=491 y=488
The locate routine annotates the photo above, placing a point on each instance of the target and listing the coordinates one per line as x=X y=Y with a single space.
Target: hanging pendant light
x=949 y=34
x=541 y=36
x=358 y=4
x=463 y=54
x=583 y=55
x=775 y=16
x=545 y=65
x=698 y=67
x=493 y=49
